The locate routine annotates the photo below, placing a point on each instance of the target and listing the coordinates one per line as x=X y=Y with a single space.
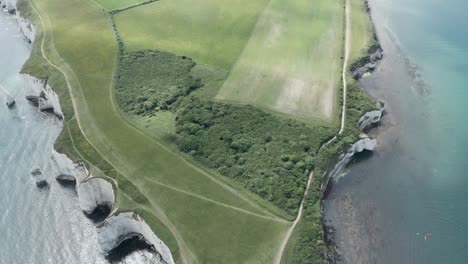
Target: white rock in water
x=118 y=228
x=67 y=172
x=42 y=95
x=95 y=193
x=10 y=5
x=364 y=144
x=27 y=28
x=10 y=101
x=370 y=118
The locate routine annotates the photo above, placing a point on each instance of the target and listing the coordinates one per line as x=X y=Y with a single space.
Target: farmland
x=291 y=63
x=210 y=32
x=217 y=179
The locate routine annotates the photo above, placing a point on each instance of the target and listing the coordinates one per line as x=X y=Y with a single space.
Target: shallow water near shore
x=406 y=203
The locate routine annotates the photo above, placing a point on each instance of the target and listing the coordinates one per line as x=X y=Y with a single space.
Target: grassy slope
x=306 y=242
x=210 y=31
x=150 y=166
x=291 y=63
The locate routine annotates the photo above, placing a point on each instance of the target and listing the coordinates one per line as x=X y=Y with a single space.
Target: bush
x=269 y=155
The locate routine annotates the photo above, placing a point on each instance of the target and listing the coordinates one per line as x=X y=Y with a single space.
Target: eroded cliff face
x=96 y=198
x=94 y=193
x=28 y=29
x=124 y=227
x=8 y=5
x=40 y=94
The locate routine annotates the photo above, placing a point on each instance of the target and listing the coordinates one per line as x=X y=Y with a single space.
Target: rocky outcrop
x=10 y=101
x=370 y=119
x=41 y=182
x=364 y=144
x=68 y=173
x=96 y=198
x=8 y=5
x=27 y=28
x=42 y=96
x=367 y=63
x=36 y=172
x=43 y=185
x=128 y=229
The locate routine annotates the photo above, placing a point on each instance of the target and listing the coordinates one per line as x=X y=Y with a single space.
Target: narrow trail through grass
x=218 y=203
x=343 y=115
x=115 y=108
x=110 y=152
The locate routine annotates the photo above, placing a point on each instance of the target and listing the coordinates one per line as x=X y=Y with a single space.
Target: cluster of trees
x=271 y=156
x=149 y=81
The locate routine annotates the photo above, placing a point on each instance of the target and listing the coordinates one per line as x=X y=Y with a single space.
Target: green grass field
x=212 y=220
x=110 y=5
x=203 y=217
x=362 y=36
x=210 y=32
x=291 y=63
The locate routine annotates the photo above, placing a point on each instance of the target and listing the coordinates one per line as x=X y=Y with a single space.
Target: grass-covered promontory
x=209 y=219
x=223 y=181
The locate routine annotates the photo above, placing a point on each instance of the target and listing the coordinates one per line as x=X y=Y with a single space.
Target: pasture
x=212 y=219
x=291 y=63
x=361 y=25
x=211 y=32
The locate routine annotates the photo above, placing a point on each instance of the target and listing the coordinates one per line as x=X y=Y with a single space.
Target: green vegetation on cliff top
x=203 y=216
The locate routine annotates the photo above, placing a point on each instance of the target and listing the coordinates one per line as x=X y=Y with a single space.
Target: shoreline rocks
x=370 y=119
x=9 y=6
x=41 y=95
x=96 y=198
x=368 y=63
x=10 y=101
x=129 y=232
x=41 y=182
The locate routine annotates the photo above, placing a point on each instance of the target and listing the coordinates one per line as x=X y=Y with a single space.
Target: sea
x=408 y=201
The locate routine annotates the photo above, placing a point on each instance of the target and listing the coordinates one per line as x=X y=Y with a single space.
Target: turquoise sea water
x=408 y=203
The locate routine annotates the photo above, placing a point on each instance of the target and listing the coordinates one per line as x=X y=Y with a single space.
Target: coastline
x=369 y=123
x=354 y=237
x=114 y=229
x=345 y=143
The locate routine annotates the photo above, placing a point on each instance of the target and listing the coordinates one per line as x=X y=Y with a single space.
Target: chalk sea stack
x=43 y=185
x=96 y=198
x=370 y=119
x=127 y=232
x=66 y=180
x=41 y=95
x=10 y=101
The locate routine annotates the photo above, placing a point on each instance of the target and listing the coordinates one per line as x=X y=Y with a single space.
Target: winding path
x=343 y=116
